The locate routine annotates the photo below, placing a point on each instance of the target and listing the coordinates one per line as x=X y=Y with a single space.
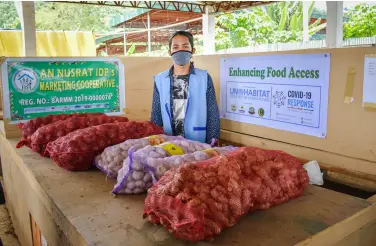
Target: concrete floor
x=6 y=230
x=7 y=236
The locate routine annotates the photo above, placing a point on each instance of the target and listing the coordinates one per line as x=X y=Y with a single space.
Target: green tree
x=62 y=16
x=74 y=17
x=243 y=28
x=275 y=23
x=361 y=21
x=9 y=16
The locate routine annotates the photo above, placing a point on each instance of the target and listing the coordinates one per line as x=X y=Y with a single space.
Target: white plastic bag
x=314 y=173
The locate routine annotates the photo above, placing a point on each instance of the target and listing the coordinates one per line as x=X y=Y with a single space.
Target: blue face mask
x=181 y=57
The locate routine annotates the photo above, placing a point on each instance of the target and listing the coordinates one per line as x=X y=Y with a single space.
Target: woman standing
x=184 y=101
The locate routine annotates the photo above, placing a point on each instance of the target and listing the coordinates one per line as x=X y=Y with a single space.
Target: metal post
x=208 y=28
x=26 y=13
x=149 y=34
x=334 y=26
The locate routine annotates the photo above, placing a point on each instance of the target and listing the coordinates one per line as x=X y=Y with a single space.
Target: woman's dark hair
x=181 y=33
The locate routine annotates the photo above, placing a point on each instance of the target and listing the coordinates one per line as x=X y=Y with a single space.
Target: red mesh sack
x=53 y=131
x=31 y=126
x=77 y=150
x=198 y=200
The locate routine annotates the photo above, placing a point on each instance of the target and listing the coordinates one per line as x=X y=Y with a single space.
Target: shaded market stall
x=57 y=207
x=207 y=9
x=160 y=19
x=162 y=24
x=67 y=208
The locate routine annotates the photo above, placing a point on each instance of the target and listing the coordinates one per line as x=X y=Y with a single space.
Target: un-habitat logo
x=25 y=80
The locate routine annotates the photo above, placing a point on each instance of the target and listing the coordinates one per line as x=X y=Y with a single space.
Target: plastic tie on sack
x=212 y=142
x=21 y=143
x=151 y=171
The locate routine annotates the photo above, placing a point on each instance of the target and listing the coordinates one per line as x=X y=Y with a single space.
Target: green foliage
x=73 y=17
x=131 y=50
x=243 y=28
x=275 y=23
x=283 y=12
x=9 y=16
x=289 y=16
x=62 y=16
x=361 y=21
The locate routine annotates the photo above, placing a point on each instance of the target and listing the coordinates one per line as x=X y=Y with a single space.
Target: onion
x=140 y=184
x=147 y=178
x=131 y=185
x=137 y=175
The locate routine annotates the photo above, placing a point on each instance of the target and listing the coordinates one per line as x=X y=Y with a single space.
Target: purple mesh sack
x=135 y=178
x=111 y=159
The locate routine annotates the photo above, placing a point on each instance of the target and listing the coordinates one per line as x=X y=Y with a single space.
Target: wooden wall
x=139 y=77
x=351 y=135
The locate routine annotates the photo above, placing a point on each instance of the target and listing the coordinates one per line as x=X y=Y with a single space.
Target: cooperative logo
x=233 y=107
x=279 y=99
x=25 y=81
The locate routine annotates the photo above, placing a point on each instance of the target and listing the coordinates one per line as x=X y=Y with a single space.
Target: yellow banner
x=50 y=44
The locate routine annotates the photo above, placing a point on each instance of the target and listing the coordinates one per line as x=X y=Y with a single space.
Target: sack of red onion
x=77 y=150
x=196 y=201
x=31 y=126
x=134 y=176
x=158 y=167
x=53 y=131
x=111 y=159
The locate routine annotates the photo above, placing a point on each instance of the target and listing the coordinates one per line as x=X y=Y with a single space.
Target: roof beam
x=172 y=6
x=197 y=7
x=228 y=6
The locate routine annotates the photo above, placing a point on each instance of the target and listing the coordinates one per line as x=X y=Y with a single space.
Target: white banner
x=286 y=92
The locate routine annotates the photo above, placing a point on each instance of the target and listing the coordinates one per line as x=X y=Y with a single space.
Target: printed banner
x=34 y=87
x=286 y=92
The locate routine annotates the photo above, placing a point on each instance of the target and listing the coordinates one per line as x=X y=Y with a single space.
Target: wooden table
x=76 y=208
